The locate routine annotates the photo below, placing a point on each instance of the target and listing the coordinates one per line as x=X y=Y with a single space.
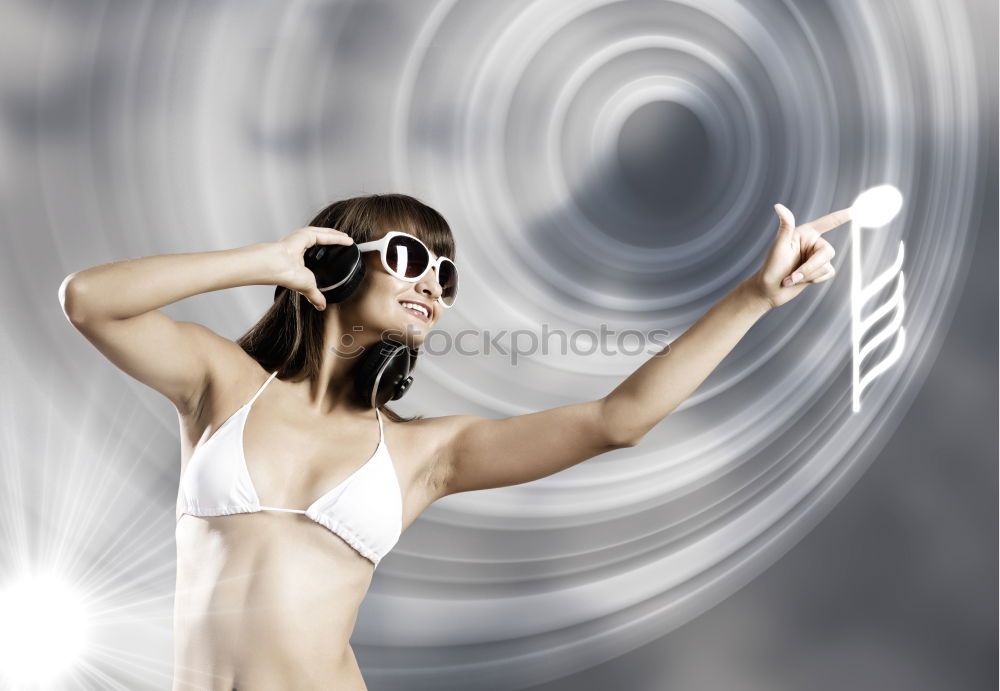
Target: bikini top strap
x=261 y=389
x=381 y=431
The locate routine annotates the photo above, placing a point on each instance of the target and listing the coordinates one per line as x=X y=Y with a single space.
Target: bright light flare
x=43 y=629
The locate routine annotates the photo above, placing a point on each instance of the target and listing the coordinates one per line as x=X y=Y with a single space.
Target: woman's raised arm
x=798 y=256
x=665 y=380
x=116 y=307
x=131 y=287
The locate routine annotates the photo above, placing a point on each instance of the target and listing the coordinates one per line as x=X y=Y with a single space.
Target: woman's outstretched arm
x=665 y=380
x=479 y=453
x=662 y=383
x=116 y=307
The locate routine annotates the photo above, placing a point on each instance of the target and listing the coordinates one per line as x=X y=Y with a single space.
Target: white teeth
x=415 y=306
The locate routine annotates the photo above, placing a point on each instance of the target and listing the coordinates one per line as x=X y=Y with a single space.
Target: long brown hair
x=289 y=336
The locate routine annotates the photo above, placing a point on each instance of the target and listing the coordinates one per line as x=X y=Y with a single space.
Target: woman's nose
x=429 y=285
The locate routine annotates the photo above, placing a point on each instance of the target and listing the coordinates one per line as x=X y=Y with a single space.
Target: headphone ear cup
x=347 y=288
x=338 y=269
x=383 y=373
x=404 y=384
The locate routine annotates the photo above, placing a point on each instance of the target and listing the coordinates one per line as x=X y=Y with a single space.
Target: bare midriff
x=264 y=601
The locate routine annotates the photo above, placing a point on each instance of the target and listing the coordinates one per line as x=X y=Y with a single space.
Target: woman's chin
x=410 y=332
x=414 y=335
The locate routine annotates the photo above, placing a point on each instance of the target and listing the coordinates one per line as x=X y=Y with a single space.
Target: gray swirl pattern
x=601 y=163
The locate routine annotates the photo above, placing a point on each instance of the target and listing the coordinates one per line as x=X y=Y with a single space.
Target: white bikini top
x=365 y=509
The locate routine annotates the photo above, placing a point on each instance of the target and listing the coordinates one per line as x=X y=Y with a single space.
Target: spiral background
x=601 y=163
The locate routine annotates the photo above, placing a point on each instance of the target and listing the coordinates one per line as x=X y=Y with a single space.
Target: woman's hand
x=798 y=257
x=291 y=271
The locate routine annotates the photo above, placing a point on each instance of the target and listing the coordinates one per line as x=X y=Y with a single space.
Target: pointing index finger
x=830 y=221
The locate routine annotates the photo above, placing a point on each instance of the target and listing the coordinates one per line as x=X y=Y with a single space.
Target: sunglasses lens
x=448 y=278
x=407 y=257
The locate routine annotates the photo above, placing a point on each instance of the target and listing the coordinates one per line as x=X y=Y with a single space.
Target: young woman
x=284 y=510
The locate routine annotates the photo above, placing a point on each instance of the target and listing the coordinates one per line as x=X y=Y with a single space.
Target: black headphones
x=383 y=372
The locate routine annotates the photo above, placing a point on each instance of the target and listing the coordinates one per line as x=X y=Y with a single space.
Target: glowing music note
x=874 y=208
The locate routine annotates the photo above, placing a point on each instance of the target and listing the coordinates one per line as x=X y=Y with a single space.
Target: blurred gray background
x=897 y=587
x=600 y=163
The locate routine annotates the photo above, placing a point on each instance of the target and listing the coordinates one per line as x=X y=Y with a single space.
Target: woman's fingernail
x=796 y=277
x=787 y=282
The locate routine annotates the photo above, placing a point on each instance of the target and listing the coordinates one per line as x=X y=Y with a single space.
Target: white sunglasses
x=408 y=259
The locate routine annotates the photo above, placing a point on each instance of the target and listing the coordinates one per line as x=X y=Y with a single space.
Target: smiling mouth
x=416 y=311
